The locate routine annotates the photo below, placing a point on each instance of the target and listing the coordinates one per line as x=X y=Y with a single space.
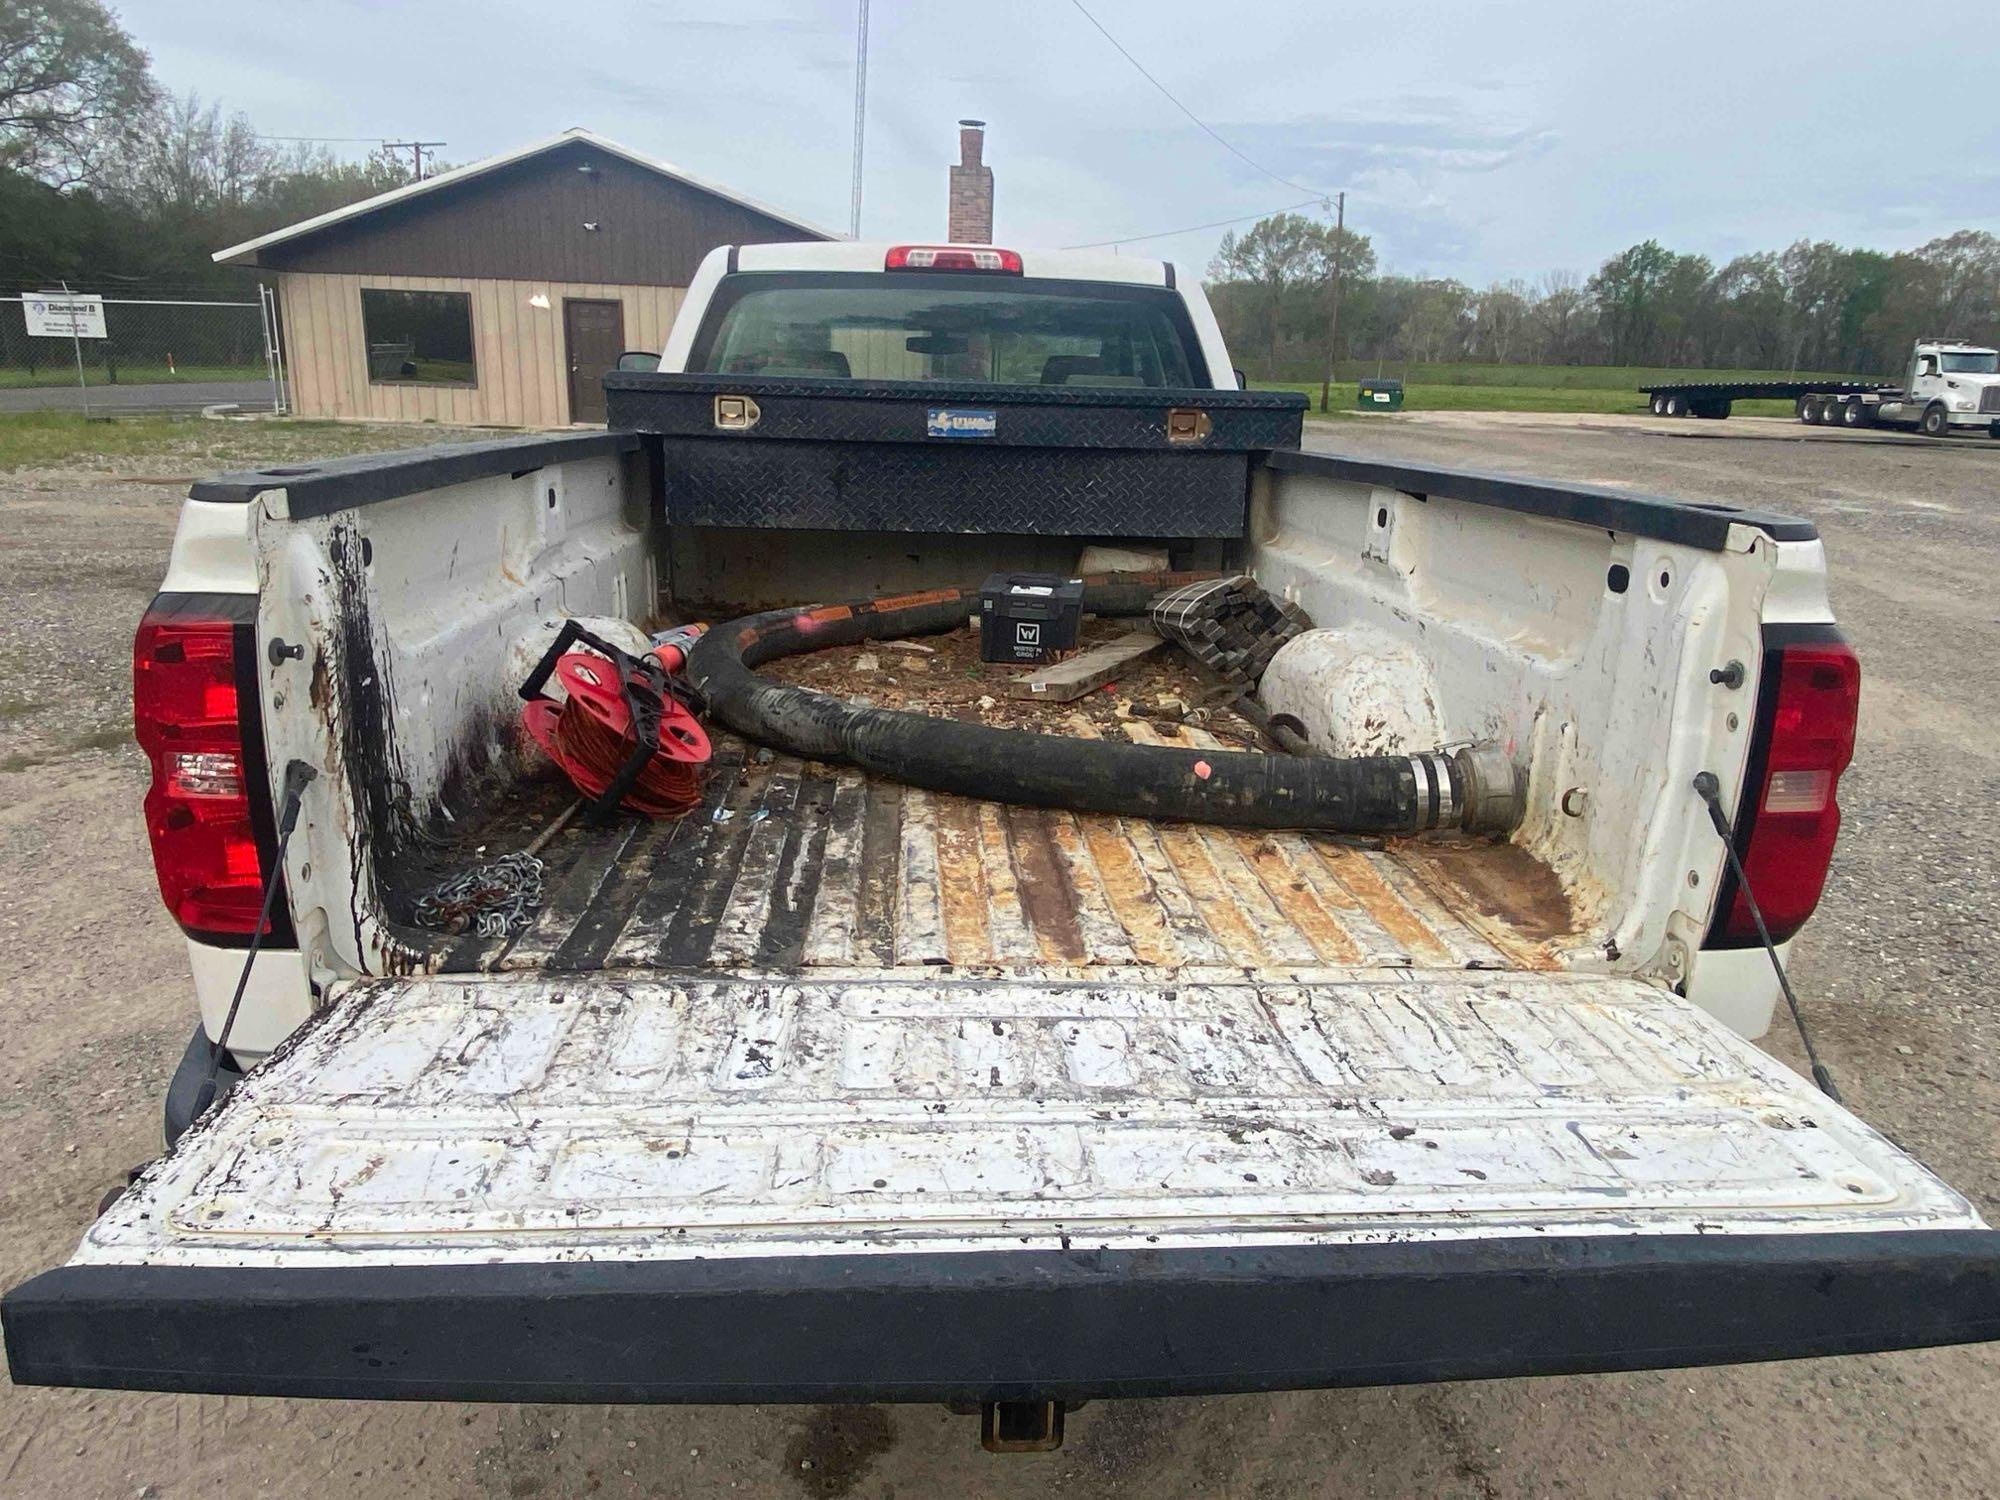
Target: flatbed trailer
x=1713 y=398
x=1950 y=386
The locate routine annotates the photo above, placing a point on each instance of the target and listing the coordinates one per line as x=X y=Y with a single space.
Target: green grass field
x=145 y=374
x=1550 y=388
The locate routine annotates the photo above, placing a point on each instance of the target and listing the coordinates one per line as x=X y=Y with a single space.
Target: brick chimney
x=969 y=218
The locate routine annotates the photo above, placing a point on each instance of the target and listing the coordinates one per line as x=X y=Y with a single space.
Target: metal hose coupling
x=1476 y=788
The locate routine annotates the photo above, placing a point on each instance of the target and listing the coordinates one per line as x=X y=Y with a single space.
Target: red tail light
x=1785 y=835
x=208 y=808
x=952 y=258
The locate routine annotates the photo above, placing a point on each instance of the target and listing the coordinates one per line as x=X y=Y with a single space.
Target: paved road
x=182 y=396
x=1897 y=969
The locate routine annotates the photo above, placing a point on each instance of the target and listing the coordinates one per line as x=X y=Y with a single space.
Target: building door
x=593 y=337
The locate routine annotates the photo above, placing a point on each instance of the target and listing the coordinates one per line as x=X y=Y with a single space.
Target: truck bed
x=837 y=1091
x=795 y=866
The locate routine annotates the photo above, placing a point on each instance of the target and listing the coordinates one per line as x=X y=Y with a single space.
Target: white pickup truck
x=846 y=1086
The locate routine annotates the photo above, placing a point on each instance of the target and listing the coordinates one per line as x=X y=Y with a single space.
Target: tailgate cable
x=1708 y=787
x=298 y=776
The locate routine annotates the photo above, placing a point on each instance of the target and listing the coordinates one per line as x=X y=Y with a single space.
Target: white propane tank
x=1357 y=691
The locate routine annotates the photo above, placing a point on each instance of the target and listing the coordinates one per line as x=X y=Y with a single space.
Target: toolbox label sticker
x=963 y=422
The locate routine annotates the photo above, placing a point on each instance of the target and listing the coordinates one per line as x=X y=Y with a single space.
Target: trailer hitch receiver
x=1021 y=1426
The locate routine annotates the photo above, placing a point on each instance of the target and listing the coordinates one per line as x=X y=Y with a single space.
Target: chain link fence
x=153 y=356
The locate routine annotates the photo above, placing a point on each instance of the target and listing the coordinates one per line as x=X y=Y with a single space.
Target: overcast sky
x=1480 y=141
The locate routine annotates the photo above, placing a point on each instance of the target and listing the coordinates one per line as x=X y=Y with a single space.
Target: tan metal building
x=500 y=292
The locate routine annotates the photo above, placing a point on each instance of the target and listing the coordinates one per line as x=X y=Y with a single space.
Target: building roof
x=573 y=136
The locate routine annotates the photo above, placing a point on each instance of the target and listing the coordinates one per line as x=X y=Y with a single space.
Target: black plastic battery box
x=1028 y=617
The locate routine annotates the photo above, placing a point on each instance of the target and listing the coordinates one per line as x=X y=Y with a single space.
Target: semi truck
x=1949 y=386
x=892 y=1072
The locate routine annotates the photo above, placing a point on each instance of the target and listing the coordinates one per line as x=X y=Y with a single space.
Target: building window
x=418 y=338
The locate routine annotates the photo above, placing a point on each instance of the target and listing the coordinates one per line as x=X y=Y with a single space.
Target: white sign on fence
x=62 y=315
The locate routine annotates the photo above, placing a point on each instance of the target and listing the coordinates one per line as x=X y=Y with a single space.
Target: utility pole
x=1333 y=314
x=416 y=150
x=860 y=118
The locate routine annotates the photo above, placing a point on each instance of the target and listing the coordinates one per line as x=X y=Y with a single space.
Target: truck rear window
x=942 y=326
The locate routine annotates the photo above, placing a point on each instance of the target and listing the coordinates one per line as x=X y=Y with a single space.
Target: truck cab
x=1949 y=385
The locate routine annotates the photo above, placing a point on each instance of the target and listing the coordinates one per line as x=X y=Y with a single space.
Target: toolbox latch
x=736 y=413
x=1187 y=424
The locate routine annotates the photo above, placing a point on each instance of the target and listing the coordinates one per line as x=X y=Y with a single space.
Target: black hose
x=1365 y=794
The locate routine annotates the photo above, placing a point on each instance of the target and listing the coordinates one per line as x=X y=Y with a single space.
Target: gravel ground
x=96 y=1010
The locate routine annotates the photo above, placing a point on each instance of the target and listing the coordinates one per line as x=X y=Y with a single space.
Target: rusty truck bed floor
x=790 y=865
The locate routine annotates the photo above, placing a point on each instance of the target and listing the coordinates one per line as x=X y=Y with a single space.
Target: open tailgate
x=653 y=1188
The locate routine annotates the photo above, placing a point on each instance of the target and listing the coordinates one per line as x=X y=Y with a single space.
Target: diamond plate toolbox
x=937 y=457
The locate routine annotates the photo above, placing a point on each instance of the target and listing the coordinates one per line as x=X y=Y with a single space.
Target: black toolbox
x=1028 y=617
x=926 y=456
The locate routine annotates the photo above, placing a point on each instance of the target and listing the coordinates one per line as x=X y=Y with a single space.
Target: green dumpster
x=1380 y=395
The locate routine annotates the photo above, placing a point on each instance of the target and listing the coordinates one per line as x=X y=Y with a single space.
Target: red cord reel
x=590 y=737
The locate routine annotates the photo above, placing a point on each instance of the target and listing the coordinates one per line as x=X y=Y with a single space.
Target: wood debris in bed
x=949 y=681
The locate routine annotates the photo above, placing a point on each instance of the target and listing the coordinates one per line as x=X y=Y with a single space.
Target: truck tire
x=1853 y=412
x=1936 y=422
x=1675 y=407
x=1804 y=407
x=1659 y=405
x=1993 y=430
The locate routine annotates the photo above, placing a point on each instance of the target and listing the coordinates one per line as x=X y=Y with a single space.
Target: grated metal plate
x=958 y=487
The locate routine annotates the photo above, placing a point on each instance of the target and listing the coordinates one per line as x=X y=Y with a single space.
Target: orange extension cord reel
x=590 y=736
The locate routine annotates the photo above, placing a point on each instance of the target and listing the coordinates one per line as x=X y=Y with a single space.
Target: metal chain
x=493 y=899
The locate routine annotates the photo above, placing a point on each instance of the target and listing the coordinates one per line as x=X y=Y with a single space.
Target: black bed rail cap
x=1691 y=523
x=334 y=484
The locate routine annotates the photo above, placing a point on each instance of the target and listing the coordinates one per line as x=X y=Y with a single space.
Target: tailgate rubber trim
x=1003 y=1325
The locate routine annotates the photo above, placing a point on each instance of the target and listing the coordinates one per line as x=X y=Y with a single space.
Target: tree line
x=111 y=183
x=1293 y=293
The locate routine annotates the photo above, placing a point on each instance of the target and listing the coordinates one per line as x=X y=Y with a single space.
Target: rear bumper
x=1004 y=1325
x=185 y=1086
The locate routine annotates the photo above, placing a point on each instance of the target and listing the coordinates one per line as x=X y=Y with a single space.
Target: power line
x=1204 y=126
x=1316 y=201
x=330 y=140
